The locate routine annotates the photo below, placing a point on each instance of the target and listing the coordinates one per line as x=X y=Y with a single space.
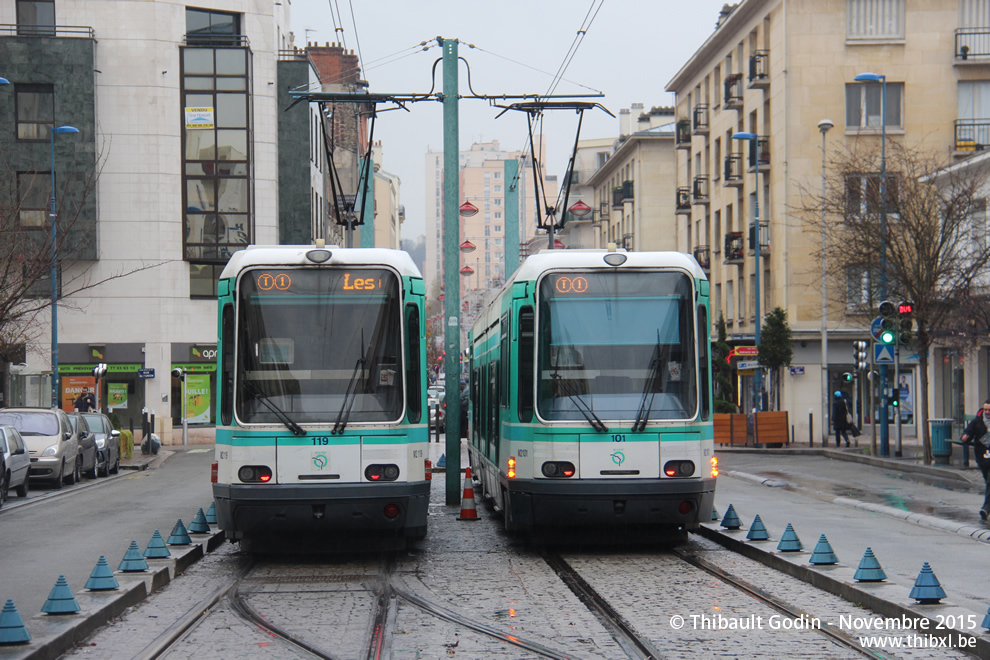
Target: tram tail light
x=511 y=473
x=679 y=468
x=254 y=474
x=381 y=472
x=214 y=473
x=428 y=468
x=558 y=469
x=391 y=510
x=714 y=466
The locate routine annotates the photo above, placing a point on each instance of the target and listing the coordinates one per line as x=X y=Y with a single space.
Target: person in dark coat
x=976 y=434
x=839 y=422
x=465 y=401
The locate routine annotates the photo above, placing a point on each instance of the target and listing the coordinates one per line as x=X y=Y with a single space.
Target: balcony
x=77 y=31
x=733 y=92
x=759 y=154
x=733 y=170
x=759 y=69
x=703 y=256
x=700 y=121
x=972 y=46
x=764 y=239
x=733 y=248
x=682 y=137
x=617 y=197
x=971 y=135
x=699 y=192
x=627 y=190
x=684 y=200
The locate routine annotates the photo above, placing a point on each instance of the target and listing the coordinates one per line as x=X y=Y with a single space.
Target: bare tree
x=917 y=242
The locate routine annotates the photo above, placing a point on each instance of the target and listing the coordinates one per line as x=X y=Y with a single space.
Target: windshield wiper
x=349 y=395
x=648 y=391
x=259 y=395
x=579 y=403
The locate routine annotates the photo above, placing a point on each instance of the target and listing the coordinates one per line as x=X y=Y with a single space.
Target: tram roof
x=544 y=260
x=295 y=255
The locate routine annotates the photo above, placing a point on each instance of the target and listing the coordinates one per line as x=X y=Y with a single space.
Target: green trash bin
x=941 y=431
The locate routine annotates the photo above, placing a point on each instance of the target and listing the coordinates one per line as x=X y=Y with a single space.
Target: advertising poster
x=116 y=396
x=198 y=398
x=72 y=387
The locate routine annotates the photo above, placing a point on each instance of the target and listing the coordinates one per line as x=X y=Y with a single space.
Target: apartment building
x=184 y=154
x=775 y=68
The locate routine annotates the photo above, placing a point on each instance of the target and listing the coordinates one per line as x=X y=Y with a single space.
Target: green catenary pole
x=451 y=268
x=368 y=210
x=510 y=174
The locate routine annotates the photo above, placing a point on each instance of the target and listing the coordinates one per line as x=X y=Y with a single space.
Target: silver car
x=107 y=443
x=51 y=442
x=15 y=463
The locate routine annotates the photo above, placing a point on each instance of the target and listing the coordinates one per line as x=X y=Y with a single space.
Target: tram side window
x=414 y=376
x=527 y=346
x=227 y=358
x=704 y=365
x=503 y=374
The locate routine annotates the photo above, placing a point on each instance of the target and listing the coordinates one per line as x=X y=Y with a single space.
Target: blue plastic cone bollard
x=715 y=515
x=60 y=600
x=12 y=628
x=179 y=535
x=156 y=547
x=985 y=624
x=823 y=554
x=102 y=579
x=869 y=569
x=443 y=461
x=199 y=524
x=789 y=541
x=927 y=589
x=133 y=560
x=211 y=514
x=757 y=531
x=731 y=519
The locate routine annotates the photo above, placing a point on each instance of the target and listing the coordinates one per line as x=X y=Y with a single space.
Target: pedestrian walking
x=976 y=434
x=85 y=402
x=841 y=419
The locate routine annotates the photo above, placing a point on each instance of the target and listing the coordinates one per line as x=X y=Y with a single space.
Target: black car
x=87 y=445
x=107 y=443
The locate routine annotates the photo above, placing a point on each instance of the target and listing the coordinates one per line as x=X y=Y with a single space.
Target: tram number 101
x=619 y=437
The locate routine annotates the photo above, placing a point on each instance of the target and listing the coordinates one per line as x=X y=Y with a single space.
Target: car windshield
x=95 y=422
x=31 y=423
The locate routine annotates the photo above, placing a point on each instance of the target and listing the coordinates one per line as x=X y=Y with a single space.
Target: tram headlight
x=714 y=466
x=254 y=474
x=511 y=472
x=678 y=468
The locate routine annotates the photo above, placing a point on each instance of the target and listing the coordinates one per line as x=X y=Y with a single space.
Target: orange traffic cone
x=468 y=510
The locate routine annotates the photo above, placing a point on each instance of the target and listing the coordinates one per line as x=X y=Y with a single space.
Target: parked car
x=50 y=441
x=107 y=443
x=15 y=463
x=438 y=411
x=87 y=445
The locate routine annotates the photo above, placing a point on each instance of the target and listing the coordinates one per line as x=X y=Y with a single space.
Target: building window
x=863 y=194
x=33 y=190
x=858 y=288
x=36 y=17
x=498 y=189
x=35 y=111
x=211 y=28
x=863 y=102
x=498 y=229
x=497 y=201
x=874 y=19
x=498 y=175
x=203 y=280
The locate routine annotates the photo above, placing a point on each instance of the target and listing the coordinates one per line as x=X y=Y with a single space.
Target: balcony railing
x=684 y=200
x=734 y=247
x=617 y=197
x=759 y=69
x=700 y=121
x=733 y=171
x=972 y=45
x=759 y=153
x=733 y=92
x=627 y=190
x=699 y=192
x=703 y=256
x=972 y=134
x=764 y=238
x=682 y=135
x=209 y=40
x=78 y=31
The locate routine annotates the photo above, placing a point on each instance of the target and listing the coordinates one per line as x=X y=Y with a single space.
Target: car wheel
x=116 y=465
x=61 y=474
x=22 y=490
x=95 y=472
x=74 y=474
x=4 y=487
x=103 y=470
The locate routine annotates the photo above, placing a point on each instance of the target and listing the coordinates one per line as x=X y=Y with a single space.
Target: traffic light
x=859 y=355
x=888 y=322
x=895 y=397
x=847 y=377
x=888 y=334
x=906 y=330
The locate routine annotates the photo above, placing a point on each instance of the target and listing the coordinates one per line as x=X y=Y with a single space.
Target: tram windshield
x=616 y=345
x=318 y=345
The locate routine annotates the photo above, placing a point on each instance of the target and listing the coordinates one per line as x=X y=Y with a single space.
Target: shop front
x=116 y=393
x=195 y=397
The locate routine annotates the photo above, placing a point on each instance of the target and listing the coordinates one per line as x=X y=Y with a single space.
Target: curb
x=884 y=598
x=54 y=635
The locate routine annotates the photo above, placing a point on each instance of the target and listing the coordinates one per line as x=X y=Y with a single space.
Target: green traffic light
x=887 y=337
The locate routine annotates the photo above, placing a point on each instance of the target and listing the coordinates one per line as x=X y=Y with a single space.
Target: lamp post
x=54 y=270
x=753 y=139
x=882 y=79
x=824 y=126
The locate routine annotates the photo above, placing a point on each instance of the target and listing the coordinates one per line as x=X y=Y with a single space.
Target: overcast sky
x=630 y=50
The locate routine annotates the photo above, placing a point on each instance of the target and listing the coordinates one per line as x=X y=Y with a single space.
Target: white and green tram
x=321 y=426
x=591 y=393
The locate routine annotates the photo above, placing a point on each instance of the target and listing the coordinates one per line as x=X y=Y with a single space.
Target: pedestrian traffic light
x=859 y=355
x=895 y=397
x=847 y=377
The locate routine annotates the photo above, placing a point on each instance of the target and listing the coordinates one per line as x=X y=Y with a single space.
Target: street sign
x=747 y=350
x=876 y=327
x=748 y=365
x=883 y=354
x=797 y=371
x=146 y=372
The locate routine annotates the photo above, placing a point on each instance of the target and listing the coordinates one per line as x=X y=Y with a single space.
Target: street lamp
x=882 y=79
x=753 y=139
x=824 y=126
x=54 y=271
x=4 y=81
